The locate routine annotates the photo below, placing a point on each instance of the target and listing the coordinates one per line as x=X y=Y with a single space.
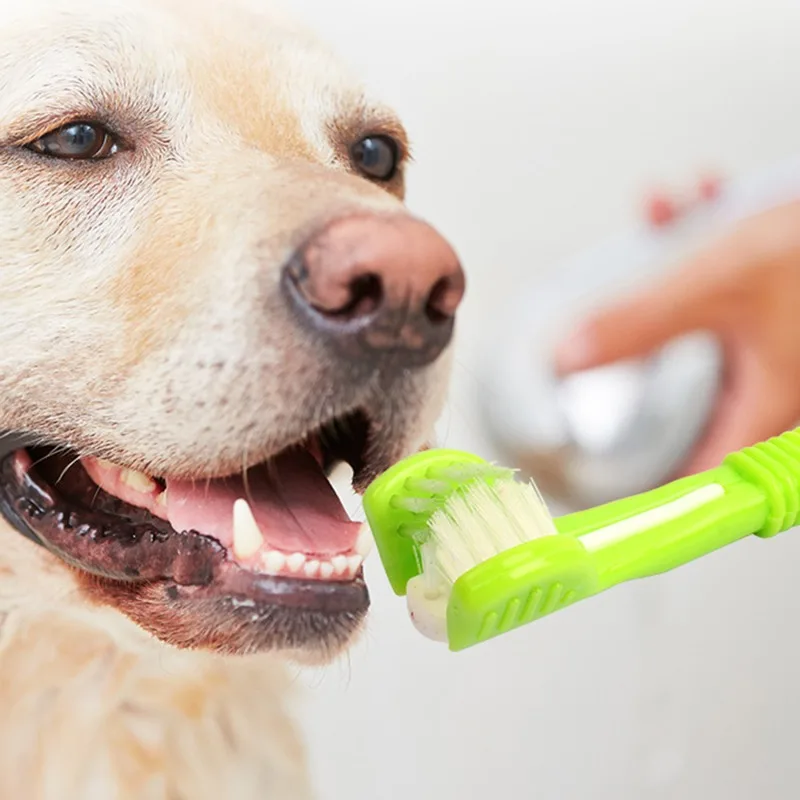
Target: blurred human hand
x=745 y=289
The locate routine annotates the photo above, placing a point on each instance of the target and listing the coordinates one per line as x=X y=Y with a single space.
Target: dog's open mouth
x=275 y=534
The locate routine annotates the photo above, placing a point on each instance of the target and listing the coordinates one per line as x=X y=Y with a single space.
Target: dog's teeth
x=137 y=481
x=339 y=564
x=295 y=562
x=274 y=562
x=364 y=542
x=247 y=538
x=311 y=569
x=326 y=570
x=353 y=563
x=162 y=499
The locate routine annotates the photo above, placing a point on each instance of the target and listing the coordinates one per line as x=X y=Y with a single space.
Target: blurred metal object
x=620 y=429
x=625 y=428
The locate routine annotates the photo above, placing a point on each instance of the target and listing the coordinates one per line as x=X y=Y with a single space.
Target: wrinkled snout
x=377 y=285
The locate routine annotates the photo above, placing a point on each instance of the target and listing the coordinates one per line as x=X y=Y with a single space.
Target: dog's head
x=211 y=294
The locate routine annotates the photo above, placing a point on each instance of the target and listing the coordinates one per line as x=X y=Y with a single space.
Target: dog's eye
x=376 y=157
x=76 y=140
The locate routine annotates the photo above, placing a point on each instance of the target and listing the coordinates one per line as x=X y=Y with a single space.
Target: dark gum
x=138 y=548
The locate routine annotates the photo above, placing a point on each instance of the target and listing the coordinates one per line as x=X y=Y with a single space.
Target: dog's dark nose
x=374 y=285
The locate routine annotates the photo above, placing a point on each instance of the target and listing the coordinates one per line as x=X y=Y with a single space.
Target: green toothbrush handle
x=754 y=491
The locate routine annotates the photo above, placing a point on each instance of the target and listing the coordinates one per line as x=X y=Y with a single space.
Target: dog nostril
x=366 y=297
x=443 y=301
x=377 y=286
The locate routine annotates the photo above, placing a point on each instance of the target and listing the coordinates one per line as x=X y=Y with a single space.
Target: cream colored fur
x=94 y=709
x=128 y=295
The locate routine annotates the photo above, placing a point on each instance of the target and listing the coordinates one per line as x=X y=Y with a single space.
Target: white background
x=536 y=126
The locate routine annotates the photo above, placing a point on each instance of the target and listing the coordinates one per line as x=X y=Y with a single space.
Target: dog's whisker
x=347 y=663
x=245 y=478
x=95 y=496
x=41 y=460
x=75 y=461
x=272 y=471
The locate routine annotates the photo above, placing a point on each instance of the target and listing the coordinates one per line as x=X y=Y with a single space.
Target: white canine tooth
x=161 y=500
x=311 y=569
x=247 y=538
x=326 y=570
x=339 y=564
x=295 y=562
x=274 y=562
x=137 y=481
x=364 y=542
x=353 y=563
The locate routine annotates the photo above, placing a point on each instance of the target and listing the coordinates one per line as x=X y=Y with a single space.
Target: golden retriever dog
x=211 y=295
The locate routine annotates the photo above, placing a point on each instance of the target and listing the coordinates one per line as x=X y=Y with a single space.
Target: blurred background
x=537 y=129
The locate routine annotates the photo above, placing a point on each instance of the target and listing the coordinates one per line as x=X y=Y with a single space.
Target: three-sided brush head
x=475 y=551
x=400 y=503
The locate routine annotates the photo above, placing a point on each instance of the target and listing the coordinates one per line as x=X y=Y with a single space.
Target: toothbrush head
x=400 y=503
x=475 y=551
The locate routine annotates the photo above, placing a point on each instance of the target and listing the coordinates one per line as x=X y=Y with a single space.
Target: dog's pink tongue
x=292 y=501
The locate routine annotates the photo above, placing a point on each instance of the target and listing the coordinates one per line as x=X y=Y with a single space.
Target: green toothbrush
x=478 y=554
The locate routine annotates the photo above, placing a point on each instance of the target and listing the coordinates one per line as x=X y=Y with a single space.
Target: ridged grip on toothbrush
x=774 y=467
x=518 y=586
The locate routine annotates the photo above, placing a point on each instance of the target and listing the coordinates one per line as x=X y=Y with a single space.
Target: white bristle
x=460 y=473
x=430 y=485
x=471 y=527
x=417 y=505
x=485 y=520
x=431 y=573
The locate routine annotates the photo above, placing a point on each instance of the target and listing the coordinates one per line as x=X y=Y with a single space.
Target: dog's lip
x=249 y=590
x=188 y=564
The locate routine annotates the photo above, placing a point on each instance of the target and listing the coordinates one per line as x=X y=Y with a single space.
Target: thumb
x=754 y=406
x=685 y=302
